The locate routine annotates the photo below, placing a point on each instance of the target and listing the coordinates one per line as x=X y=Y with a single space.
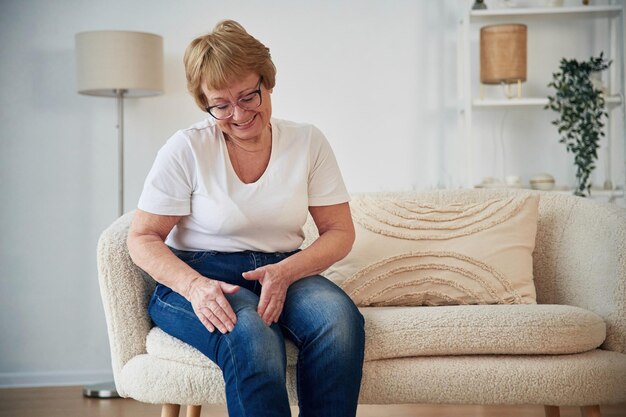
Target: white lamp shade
x=108 y=61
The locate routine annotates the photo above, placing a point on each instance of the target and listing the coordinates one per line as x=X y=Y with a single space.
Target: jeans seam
x=193 y=257
x=232 y=360
x=290 y=332
x=199 y=257
x=173 y=307
x=256 y=260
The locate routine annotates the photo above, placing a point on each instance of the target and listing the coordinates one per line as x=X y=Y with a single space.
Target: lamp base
x=101 y=390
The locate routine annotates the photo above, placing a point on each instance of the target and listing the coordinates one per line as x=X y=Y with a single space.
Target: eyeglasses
x=248 y=102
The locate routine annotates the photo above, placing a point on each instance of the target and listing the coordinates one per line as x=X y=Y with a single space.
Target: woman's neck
x=252 y=145
x=249 y=157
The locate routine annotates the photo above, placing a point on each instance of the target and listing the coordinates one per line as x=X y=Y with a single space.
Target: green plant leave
x=581 y=109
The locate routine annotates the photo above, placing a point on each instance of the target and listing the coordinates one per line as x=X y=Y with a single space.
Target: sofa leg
x=194 y=410
x=552 y=411
x=170 y=410
x=590 y=411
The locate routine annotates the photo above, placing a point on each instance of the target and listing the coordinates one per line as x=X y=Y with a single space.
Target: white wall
x=357 y=69
x=378 y=77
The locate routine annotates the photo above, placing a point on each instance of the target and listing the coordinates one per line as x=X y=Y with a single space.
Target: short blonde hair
x=223 y=56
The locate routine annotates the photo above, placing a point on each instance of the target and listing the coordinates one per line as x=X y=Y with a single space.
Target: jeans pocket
x=167 y=304
x=193 y=257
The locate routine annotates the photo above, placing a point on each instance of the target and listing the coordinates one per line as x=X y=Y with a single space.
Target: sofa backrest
x=580 y=251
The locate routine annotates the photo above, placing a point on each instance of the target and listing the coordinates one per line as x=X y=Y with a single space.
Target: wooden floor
x=69 y=402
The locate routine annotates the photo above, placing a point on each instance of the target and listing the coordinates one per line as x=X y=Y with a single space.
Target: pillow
x=411 y=253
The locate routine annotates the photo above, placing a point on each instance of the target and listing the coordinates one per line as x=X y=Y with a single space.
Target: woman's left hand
x=273 y=292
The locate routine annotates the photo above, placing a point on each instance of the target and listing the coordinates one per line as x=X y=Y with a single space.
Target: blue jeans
x=318 y=317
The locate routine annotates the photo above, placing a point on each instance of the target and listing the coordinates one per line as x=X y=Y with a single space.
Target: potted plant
x=581 y=109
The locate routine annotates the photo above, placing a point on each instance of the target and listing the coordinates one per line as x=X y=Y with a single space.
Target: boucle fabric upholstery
x=125 y=295
x=161 y=345
x=579 y=261
x=408 y=252
x=594 y=377
x=392 y=332
x=396 y=332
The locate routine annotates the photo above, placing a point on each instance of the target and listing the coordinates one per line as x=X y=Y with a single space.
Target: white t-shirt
x=192 y=177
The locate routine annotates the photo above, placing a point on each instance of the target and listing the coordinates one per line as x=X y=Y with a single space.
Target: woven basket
x=503 y=53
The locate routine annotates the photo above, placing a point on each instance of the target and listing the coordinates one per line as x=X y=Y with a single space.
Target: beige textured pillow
x=411 y=253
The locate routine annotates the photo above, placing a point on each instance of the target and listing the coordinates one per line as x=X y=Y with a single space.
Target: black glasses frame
x=237 y=103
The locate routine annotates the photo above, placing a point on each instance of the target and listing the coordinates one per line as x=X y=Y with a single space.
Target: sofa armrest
x=125 y=293
x=580 y=260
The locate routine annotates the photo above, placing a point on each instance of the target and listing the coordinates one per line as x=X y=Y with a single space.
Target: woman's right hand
x=210 y=305
x=147 y=249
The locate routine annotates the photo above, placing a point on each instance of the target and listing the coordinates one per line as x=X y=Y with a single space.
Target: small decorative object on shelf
x=503 y=56
x=543 y=182
x=596 y=80
x=479 y=5
x=586 y=2
x=514 y=181
x=582 y=111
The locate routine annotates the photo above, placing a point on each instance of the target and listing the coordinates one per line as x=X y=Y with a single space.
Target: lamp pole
x=107 y=389
x=119 y=93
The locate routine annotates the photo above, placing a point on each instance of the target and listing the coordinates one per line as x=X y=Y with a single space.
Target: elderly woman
x=219 y=226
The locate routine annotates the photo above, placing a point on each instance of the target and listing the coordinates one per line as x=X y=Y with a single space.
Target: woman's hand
x=273 y=292
x=211 y=306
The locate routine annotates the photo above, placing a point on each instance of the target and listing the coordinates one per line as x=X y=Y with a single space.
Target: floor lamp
x=118 y=64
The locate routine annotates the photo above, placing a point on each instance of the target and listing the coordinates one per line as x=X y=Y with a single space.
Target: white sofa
x=569 y=349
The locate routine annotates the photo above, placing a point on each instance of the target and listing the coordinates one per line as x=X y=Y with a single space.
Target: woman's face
x=243 y=124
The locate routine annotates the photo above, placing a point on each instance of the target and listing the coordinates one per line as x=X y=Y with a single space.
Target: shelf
x=528 y=102
x=513 y=102
x=528 y=11
x=595 y=192
x=477 y=104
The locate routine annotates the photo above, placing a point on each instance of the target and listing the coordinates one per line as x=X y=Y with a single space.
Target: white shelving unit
x=477 y=104
x=527 y=11
x=468 y=71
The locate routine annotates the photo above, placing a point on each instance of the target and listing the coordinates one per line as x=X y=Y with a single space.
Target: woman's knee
x=259 y=348
x=328 y=311
x=346 y=326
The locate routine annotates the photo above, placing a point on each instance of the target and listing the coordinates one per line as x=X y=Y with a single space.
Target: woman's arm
x=148 y=251
x=336 y=230
x=146 y=244
x=335 y=242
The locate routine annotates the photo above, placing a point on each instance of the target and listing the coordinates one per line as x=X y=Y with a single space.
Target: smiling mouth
x=246 y=123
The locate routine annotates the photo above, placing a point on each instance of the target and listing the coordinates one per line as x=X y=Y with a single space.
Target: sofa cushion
x=393 y=332
x=164 y=346
x=409 y=252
